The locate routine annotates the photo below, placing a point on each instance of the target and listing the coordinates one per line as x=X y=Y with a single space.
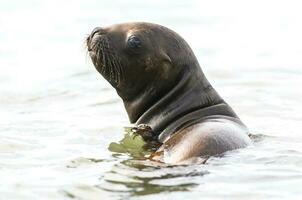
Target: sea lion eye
x=134 y=42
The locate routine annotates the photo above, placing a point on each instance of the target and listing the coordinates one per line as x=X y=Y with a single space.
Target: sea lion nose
x=98 y=30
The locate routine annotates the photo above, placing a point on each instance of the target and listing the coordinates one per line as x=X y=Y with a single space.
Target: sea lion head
x=134 y=56
x=153 y=70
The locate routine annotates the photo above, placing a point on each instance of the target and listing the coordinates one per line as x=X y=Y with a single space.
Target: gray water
x=58 y=115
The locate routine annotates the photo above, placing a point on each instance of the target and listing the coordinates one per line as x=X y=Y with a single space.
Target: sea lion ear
x=166 y=64
x=165 y=57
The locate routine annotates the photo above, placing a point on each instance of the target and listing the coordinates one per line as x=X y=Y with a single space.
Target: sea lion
x=159 y=79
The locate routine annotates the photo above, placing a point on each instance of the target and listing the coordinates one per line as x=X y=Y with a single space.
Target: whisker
x=108 y=63
x=120 y=76
x=115 y=69
x=118 y=66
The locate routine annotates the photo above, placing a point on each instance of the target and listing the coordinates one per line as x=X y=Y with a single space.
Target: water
x=58 y=116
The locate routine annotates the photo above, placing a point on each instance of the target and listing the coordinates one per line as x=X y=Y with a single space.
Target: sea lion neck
x=191 y=92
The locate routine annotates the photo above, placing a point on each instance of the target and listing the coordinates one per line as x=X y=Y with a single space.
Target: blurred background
x=58 y=115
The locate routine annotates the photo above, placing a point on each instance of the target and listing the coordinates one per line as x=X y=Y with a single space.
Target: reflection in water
x=132 y=178
x=137 y=178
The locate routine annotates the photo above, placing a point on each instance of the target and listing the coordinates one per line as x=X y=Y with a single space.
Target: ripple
x=84 y=161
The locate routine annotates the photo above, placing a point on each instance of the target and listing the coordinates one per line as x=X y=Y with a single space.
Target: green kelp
x=132 y=143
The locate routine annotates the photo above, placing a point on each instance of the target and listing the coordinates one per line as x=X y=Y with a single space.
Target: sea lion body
x=211 y=136
x=159 y=79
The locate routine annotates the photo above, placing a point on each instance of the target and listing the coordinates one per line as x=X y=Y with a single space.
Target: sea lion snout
x=104 y=55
